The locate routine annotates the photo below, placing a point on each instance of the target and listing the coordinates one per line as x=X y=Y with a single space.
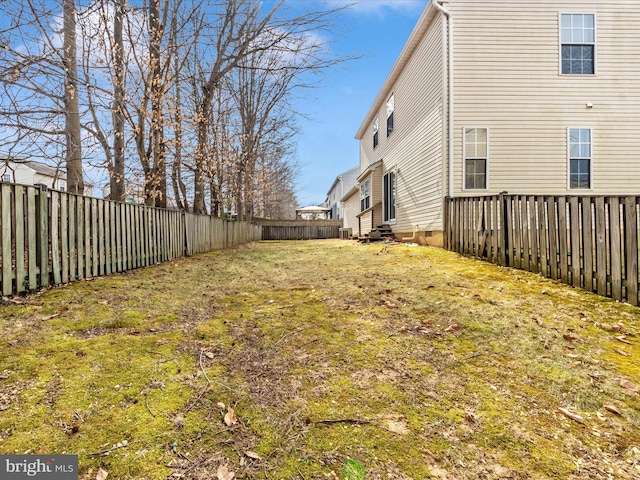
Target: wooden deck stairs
x=378 y=234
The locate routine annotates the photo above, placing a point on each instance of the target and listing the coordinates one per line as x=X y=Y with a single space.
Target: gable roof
x=53 y=172
x=341 y=176
x=412 y=43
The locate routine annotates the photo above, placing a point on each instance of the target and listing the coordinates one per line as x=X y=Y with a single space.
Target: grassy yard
x=324 y=360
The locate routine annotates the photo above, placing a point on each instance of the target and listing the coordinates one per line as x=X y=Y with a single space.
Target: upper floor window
x=578 y=43
x=376 y=124
x=580 y=158
x=62 y=185
x=390 y=108
x=475 y=158
x=6 y=177
x=365 y=195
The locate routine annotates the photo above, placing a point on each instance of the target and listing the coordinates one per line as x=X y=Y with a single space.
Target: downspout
x=447 y=14
x=412 y=237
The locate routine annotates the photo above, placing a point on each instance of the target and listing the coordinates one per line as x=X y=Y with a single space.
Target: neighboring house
x=134 y=192
x=341 y=185
x=529 y=97
x=313 y=212
x=28 y=172
x=351 y=209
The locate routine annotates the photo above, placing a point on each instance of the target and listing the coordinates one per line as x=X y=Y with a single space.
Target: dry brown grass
x=414 y=362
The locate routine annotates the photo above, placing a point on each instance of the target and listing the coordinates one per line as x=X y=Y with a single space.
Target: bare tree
x=73 y=134
x=116 y=171
x=198 y=88
x=32 y=82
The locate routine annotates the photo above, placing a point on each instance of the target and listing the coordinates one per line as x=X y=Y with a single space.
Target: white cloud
x=380 y=8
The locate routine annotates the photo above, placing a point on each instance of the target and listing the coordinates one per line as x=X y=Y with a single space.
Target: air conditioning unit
x=345 y=233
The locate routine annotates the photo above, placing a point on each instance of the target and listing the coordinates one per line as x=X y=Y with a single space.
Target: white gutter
x=447 y=14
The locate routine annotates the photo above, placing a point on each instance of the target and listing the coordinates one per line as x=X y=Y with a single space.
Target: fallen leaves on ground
x=253 y=455
x=571 y=415
x=230 y=417
x=223 y=472
x=623 y=382
x=612 y=409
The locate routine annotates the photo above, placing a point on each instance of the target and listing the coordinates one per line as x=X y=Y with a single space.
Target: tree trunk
x=117 y=172
x=203 y=114
x=73 y=154
x=158 y=180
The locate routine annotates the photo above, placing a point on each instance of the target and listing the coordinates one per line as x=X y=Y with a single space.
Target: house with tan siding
x=488 y=96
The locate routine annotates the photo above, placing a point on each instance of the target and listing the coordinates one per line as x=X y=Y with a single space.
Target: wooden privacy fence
x=587 y=242
x=300 y=229
x=51 y=237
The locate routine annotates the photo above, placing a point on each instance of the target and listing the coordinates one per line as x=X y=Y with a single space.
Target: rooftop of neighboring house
x=351 y=172
x=312 y=208
x=44 y=169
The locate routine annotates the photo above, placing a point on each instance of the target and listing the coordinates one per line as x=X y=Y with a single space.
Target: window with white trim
x=579 y=158
x=6 y=177
x=475 y=158
x=389 y=196
x=390 y=108
x=62 y=185
x=376 y=124
x=578 y=43
x=365 y=195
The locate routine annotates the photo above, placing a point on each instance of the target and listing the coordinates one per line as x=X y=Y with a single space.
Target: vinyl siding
x=507 y=78
x=414 y=150
x=351 y=208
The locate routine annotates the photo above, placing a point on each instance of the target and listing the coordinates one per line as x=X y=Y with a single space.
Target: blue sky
x=376 y=30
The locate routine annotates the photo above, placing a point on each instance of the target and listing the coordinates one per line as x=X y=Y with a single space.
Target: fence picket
x=615 y=246
x=55 y=247
x=588 y=242
x=601 y=246
x=631 y=249
x=51 y=237
x=7 y=287
x=32 y=261
x=525 y=233
x=64 y=235
x=21 y=272
x=563 y=244
x=555 y=217
x=574 y=231
x=42 y=206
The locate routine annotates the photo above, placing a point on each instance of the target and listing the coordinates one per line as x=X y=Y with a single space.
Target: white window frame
x=594 y=43
x=62 y=185
x=464 y=160
x=391 y=106
x=376 y=135
x=6 y=178
x=365 y=195
x=569 y=158
x=390 y=220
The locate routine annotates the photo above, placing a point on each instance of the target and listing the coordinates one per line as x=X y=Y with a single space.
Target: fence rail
x=587 y=242
x=51 y=237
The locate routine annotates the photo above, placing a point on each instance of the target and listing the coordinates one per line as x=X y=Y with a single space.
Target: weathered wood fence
x=51 y=237
x=300 y=229
x=587 y=242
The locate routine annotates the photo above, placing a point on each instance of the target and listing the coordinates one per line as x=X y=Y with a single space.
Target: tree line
x=191 y=100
